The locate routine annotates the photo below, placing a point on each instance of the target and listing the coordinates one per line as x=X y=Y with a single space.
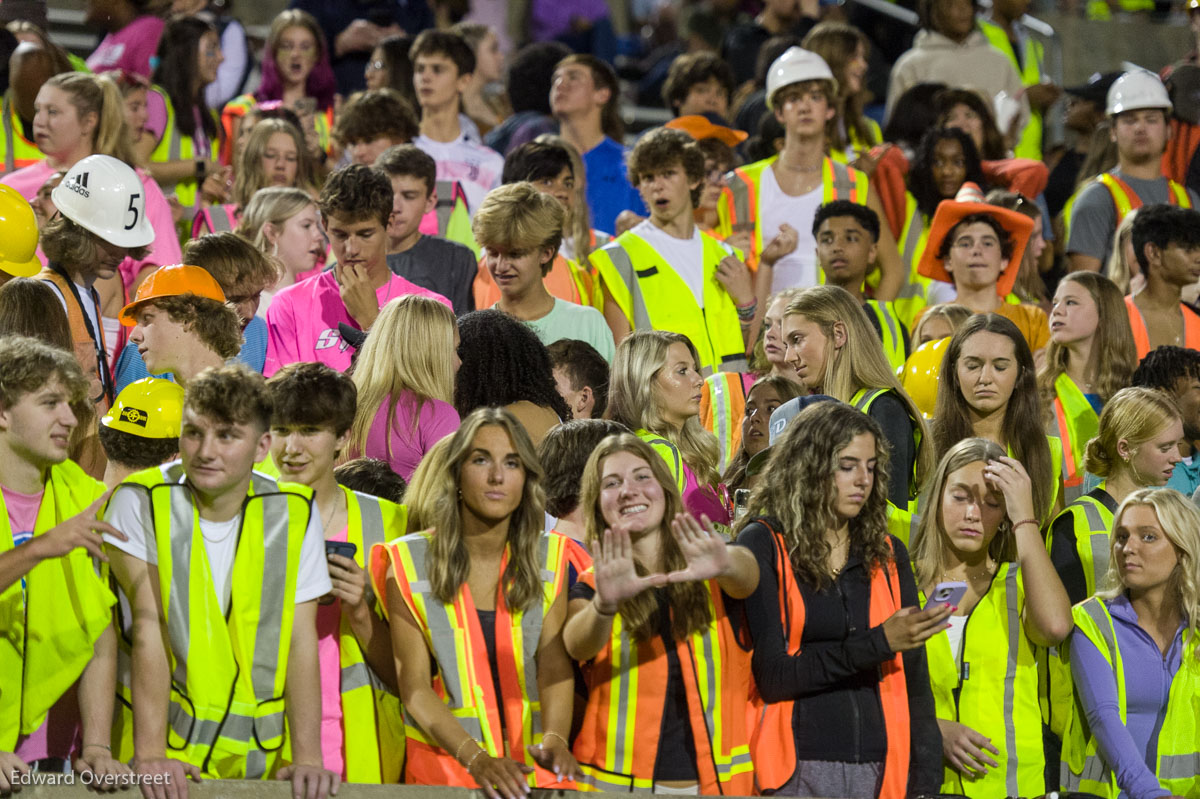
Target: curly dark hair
x=503 y=362
x=799 y=490
x=1164 y=366
x=177 y=57
x=564 y=452
x=373 y=477
x=136 y=452
x=216 y=324
x=376 y=113
x=920 y=177
x=231 y=394
x=356 y=193
x=663 y=148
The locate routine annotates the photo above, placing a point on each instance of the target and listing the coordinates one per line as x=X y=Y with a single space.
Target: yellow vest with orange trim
x=1075 y=423
x=91 y=353
x=463 y=678
x=737 y=208
x=1141 y=336
x=618 y=743
x=722 y=406
x=17 y=150
x=914 y=236
x=1124 y=198
x=174 y=146
x=652 y=295
x=774 y=741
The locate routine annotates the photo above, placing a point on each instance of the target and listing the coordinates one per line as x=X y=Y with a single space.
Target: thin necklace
x=791 y=168
x=974 y=580
x=328 y=520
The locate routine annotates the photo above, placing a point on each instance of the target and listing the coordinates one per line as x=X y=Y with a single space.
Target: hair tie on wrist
x=1034 y=522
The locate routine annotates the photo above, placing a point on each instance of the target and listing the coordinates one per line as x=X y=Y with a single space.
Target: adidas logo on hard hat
x=78 y=184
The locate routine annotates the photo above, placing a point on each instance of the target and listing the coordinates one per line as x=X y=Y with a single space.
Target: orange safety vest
x=90 y=350
x=463 y=678
x=566 y=281
x=1141 y=338
x=618 y=743
x=722 y=406
x=774 y=741
x=1125 y=199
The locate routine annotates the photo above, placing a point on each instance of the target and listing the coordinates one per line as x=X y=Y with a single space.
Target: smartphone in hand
x=948 y=593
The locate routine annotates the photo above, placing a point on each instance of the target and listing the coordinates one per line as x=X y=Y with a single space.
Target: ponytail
x=112 y=137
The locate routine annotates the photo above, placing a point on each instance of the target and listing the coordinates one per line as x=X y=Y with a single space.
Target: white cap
x=104 y=195
x=1137 y=89
x=796 y=65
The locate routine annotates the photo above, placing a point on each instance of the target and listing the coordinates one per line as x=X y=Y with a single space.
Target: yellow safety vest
x=857 y=147
x=737 y=208
x=50 y=621
x=372 y=724
x=914 y=294
x=1076 y=423
x=895 y=339
x=863 y=399
x=228 y=668
x=1099 y=10
x=995 y=692
x=18 y=150
x=464 y=672
x=1123 y=201
x=453 y=214
x=174 y=146
x=652 y=295
x=1177 y=765
x=1030 y=144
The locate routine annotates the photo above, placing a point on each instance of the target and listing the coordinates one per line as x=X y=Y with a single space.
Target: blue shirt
x=608 y=189
x=131 y=368
x=1186 y=477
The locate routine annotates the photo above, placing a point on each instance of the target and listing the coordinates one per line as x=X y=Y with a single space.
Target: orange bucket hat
x=968 y=201
x=173 y=281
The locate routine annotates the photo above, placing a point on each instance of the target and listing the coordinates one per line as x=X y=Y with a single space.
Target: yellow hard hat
x=18 y=234
x=920 y=375
x=150 y=408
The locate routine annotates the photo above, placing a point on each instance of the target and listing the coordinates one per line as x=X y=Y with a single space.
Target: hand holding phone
x=343 y=548
x=948 y=593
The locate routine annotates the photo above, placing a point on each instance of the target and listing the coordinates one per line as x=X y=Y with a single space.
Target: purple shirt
x=1131 y=748
x=402 y=443
x=130 y=48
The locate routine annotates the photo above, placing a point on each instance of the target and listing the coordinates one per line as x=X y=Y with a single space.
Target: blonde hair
x=1180 y=522
x=758 y=358
x=274 y=205
x=250 y=178
x=1113 y=353
x=688 y=600
x=633 y=399
x=952 y=312
x=434 y=503
x=99 y=95
x=410 y=350
x=1136 y=414
x=517 y=216
x=929 y=540
x=579 y=224
x=1118 y=269
x=860 y=363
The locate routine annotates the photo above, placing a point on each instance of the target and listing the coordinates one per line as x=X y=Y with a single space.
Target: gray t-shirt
x=1094 y=217
x=446 y=267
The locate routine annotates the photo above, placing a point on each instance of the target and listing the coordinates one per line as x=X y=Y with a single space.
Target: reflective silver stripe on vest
x=1010 y=679
x=370 y=516
x=720 y=395
x=741 y=199
x=179 y=607
x=864 y=402
x=1179 y=767
x=276 y=515
x=1098 y=538
x=445 y=204
x=218 y=219
x=622 y=666
x=356 y=675
x=9 y=158
x=709 y=698
x=624 y=266
x=912 y=237
x=896 y=344
x=842 y=184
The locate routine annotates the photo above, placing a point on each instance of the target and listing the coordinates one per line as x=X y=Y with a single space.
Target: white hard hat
x=1137 y=89
x=105 y=196
x=796 y=65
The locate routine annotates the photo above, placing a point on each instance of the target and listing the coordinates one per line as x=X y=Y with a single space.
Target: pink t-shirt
x=329 y=657
x=164 y=249
x=130 y=48
x=302 y=322
x=59 y=734
x=409 y=443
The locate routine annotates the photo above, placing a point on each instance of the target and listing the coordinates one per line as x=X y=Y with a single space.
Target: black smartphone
x=343 y=548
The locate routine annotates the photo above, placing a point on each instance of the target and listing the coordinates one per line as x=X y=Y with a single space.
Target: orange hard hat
x=173 y=281
x=921 y=373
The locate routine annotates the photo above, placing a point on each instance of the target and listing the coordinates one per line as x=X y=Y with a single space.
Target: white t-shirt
x=127 y=511
x=685 y=256
x=940 y=292
x=797 y=269
x=476 y=167
x=958 y=625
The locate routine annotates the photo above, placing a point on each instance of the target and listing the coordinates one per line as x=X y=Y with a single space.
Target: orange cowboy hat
x=969 y=200
x=708 y=126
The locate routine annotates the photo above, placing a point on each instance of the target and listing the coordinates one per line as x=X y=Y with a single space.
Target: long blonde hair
x=860 y=363
x=250 y=178
x=92 y=94
x=1180 y=522
x=1118 y=268
x=410 y=350
x=799 y=490
x=1113 y=353
x=434 y=503
x=274 y=205
x=633 y=399
x=688 y=600
x=1136 y=414
x=929 y=540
